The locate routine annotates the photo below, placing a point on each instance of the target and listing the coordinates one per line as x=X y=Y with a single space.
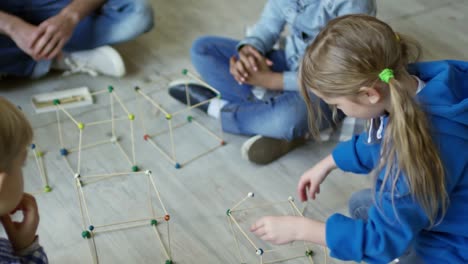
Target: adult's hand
x=52 y=34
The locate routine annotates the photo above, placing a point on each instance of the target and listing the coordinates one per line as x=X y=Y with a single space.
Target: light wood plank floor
x=198 y=195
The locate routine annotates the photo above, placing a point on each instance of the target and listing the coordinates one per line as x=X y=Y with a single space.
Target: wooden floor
x=198 y=195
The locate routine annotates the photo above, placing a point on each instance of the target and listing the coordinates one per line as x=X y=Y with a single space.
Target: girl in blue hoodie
x=416 y=148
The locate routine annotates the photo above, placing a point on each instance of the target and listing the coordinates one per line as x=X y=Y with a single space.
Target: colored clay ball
x=131 y=117
x=77 y=175
x=33 y=146
x=63 y=152
x=219 y=96
x=56 y=102
x=259 y=252
x=167 y=217
x=137 y=88
x=168 y=117
x=47 y=189
x=113 y=139
x=39 y=154
x=223 y=142
x=145 y=137
x=189 y=118
x=91 y=228
x=110 y=88
x=251 y=194
x=86 y=234
x=154 y=222
x=184 y=71
x=148 y=172
x=290 y=198
x=228 y=212
x=309 y=253
x=177 y=166
x=80 y=126
x=135 y=168
x=168 y=261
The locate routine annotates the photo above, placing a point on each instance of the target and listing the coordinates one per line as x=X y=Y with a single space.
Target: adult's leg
x=114 y=22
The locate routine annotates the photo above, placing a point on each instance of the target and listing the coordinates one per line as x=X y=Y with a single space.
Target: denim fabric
x=305 y=19
x=283 y=116
x=116 y=21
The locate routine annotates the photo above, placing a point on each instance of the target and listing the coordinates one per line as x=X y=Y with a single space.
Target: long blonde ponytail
x=349 y=54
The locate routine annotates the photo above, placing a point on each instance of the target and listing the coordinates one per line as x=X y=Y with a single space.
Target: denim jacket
x=305 y=19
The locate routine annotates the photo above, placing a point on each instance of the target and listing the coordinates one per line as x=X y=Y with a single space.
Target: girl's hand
x=310 y=181
x=277 y=230
x=22 y=234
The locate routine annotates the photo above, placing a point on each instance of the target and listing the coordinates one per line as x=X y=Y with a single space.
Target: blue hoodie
x=389 y=230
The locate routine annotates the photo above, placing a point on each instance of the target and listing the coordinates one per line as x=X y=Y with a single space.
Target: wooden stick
x=112 y=174
x=59 y=127
x=237 y=241
x=93 y=248
x=193 y=76
x=106 y=121
x=242 y=231
x=79 y=152
x=157 y=193
x=193 y=106
x=132 y=136
x=125 y=154
x=202 y=154
x=123 y=223
x=153 y=102
x=171 y=136
x=80 y=204
x=240 y=202
x=100 y=92
x=90 y=145
x=116 y=96
x=282 y=249
x=161 y=150
x=167 y=130
x=40 y=168
x=111 y=229
x=207 y=130
x=69 y=165
x=284 y=259
x=150 y=196
x=111 y=98
x=169 y=241
x=161 y=241
x=68 y=114
x=260 y=206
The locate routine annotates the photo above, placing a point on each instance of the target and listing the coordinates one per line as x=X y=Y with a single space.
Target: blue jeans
x=359 y=205
x=116 y=21
x=283 y=116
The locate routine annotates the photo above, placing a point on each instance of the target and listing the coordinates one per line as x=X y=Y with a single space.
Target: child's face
x=11 y=185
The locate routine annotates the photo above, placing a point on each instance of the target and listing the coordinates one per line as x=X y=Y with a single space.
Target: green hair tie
x=386 y=75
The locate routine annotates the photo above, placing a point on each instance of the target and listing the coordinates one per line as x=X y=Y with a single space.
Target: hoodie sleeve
x=356 y=155
x=345 y=7
x=385 y=235
x=267 y=30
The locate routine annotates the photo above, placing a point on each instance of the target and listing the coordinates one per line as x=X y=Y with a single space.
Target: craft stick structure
x=169 y=116
x=38 y=158
x=261 y=252
x=89 y=229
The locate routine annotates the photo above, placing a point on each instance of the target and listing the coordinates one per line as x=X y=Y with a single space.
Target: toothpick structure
x=81 y=180
x=235 y=226
x=153 y=138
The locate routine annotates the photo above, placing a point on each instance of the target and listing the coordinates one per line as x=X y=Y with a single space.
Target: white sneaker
x=103 y=60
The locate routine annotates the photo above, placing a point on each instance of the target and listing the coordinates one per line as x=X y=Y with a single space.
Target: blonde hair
x=15 y=133
x=349 y=54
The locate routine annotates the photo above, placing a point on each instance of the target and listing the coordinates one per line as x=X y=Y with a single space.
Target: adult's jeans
x=115 y=21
